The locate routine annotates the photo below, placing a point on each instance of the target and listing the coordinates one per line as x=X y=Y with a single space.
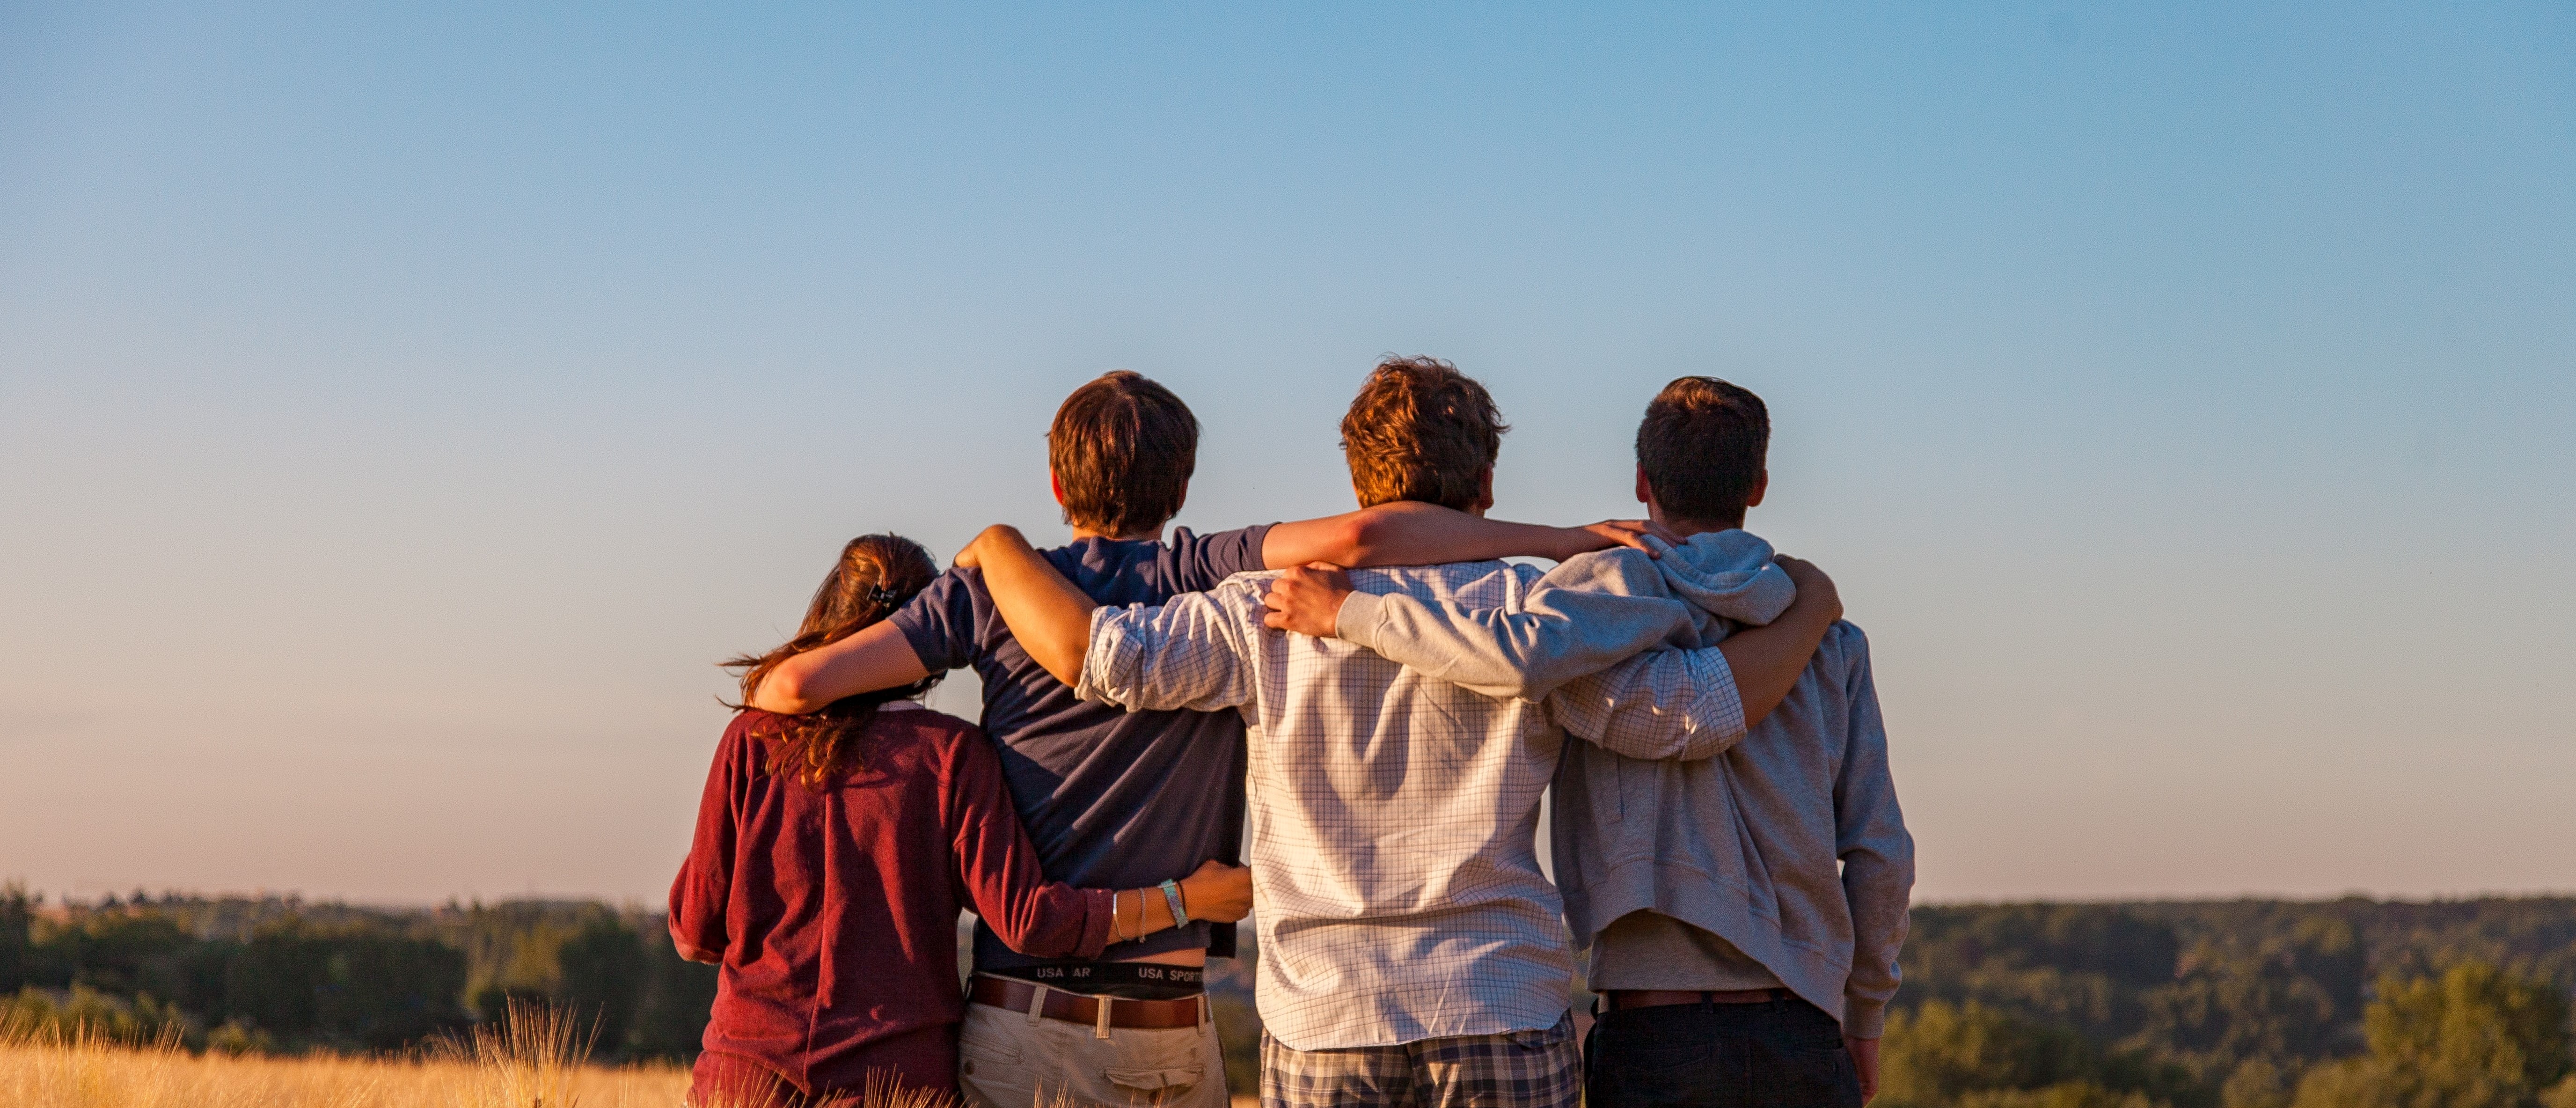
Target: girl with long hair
x=833 y=852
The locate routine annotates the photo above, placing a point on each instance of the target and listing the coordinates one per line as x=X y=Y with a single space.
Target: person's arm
x=1190 y=654
x=1878 y=863
x=1583 y=619
x=998 y=874
x=1692 y=704
x=1408 y=533
x=878 y=657
x=1185 y=654
x=1578 y=618
x=1050 y=618
x=705 y=884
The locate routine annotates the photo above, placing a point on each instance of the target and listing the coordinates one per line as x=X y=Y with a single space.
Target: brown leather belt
x=1658 y=998
x=1156 y=1015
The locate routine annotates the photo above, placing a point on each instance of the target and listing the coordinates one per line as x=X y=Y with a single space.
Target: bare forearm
x=878 y=657
x=1050 y=618
x=1426 y=534
x=1767 y=660
x=1409 y=533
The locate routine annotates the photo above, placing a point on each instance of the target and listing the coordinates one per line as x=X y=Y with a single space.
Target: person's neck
x=1155 y=535
x=1688 y=527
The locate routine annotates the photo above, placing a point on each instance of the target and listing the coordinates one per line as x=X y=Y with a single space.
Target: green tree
x=384 y=991
x=600 y=977
x=17 y=925
x=2069 y=1094
x=678 y=998
x=2475 y=1037
x=1941 y=1053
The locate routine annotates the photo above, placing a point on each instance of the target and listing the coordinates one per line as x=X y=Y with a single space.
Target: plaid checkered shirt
x=1394 y=815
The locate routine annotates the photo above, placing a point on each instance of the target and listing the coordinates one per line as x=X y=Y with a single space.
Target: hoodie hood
x=1727 y=574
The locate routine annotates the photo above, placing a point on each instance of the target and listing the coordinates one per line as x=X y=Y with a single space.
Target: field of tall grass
x=536 y=1059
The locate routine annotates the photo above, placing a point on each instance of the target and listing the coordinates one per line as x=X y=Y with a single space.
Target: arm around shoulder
x=1409 y=533
x=1046 y=613
x=1191 y=653
x=878 y=657
x=1578 y=619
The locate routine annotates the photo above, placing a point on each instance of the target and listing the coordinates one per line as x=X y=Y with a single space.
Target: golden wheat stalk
x=536 y=1057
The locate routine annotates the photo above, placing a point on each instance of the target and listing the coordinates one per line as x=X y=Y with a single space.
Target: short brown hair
x=1421 y=430
x=1123 y=449
x=1702 y=446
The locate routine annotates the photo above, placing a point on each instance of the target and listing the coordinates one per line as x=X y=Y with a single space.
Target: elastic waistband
x=1129 y=980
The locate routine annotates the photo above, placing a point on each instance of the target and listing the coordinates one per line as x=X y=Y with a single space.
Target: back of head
x=1702 y=448
x=1421 y=430
x=875 y=575
x=1122 y=448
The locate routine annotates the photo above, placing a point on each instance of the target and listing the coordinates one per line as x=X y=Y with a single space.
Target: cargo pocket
x=1152 y=1080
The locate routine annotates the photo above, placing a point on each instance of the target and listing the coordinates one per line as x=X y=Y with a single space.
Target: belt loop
x=1037 y=1005
x=1207 y=1012
x=1100 y=1026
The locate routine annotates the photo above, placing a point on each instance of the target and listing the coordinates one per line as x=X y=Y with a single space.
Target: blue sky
x=399 y=412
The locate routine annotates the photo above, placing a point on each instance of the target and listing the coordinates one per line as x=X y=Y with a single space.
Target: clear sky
x=401 y=412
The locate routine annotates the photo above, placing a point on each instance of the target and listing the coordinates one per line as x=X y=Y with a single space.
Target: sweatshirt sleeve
x=997 y=866
x=1876 y=851
x=1584 y=615
x=700 y=895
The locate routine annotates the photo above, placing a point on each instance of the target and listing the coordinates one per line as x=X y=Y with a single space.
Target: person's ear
x=1485 y=491
x=1055 y=485
x=1761 y=485
x=1645 y=492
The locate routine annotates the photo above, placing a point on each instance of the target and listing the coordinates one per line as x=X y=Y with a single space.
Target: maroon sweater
x=835 y=913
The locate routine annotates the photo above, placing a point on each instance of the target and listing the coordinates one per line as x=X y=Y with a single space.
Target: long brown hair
x=875 y=575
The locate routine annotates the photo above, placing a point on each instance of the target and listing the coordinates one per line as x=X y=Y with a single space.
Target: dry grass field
x=537 y=1063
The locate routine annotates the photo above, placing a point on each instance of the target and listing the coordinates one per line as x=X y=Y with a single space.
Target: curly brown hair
x=875 y=575
x=1421 y=430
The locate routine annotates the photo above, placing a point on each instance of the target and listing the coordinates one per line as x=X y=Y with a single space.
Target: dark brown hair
x=1421 y=430
x=1701 y=447
x=1122 y=447
x=876 y=575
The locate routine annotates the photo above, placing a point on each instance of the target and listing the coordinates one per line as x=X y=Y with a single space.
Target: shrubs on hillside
x=241 y=975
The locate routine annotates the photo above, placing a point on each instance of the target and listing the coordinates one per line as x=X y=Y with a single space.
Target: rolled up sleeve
x=1188 y=654
x=1657 y=705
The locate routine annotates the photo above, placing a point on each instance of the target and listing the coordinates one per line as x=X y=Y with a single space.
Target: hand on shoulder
x=1306 y=600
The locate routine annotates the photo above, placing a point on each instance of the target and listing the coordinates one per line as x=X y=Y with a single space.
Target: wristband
x=1172 y=896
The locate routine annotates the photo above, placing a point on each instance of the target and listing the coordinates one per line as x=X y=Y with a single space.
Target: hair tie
x=882 y=596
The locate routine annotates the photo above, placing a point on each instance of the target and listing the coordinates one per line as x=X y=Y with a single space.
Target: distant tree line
x=2248 y=1004
x=244 y=974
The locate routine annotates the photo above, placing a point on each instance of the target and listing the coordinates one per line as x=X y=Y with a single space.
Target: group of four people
x=1382 y=701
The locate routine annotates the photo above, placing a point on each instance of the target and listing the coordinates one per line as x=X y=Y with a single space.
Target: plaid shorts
x=1516 y=1069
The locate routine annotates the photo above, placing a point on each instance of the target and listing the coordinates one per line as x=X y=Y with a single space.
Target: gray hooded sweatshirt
x=1787 y=843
